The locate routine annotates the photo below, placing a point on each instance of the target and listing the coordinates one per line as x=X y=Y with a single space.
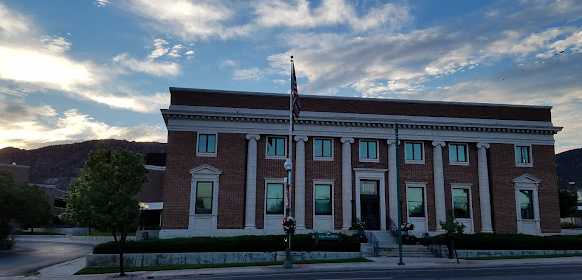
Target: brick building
x=491 y=166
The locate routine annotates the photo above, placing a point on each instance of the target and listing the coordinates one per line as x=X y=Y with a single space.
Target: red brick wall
x=381 y=164
x=503 y=170
x=266 y=169
x=469 y=174
x=419 y=173
x=328 y=170
x=181 y=158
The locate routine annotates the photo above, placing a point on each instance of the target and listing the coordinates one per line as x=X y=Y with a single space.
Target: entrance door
x=370 y=204
x=416 y=208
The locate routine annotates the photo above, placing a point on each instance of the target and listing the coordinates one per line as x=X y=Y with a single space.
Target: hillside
x=60 y=164
x=569 y=167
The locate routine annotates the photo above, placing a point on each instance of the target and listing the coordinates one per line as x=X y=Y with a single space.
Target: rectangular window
x=276 y=147
x=458 y=154
x=203 y=197
x=523 y=155
x=323 y=148
x=368 y=150
x=413 y=152
x=206 y=144
x=526 y=204
x=322 y=199
x=415 y=201
x=275 y=198
x=461 y=203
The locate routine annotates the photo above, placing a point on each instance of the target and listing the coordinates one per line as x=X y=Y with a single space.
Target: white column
x=347 y=182
x=251 y=190
x=392 y=183
x=300 y=181
x=439 y=183
x=484 y=197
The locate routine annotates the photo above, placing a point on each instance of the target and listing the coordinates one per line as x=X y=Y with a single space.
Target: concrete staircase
x=386 y=245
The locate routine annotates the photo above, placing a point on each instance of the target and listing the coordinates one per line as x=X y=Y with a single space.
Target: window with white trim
x=274 y=199
x=526 y=204
x=461 y=203
x=204 y=190
x=323 y=149
x=523 y=155
x=414 y=152
x=458 y=154
x=415 y=202
x=276 y=147
x=323 y=204
x=368 y=150
x=206 y=144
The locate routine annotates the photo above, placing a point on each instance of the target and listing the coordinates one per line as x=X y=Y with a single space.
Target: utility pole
x=399 y=222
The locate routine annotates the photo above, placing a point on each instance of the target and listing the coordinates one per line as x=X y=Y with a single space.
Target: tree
x=103 y=196
x=23 y=204
x=453 y=229
x=568 y=201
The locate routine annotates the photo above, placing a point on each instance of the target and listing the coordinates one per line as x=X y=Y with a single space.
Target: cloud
x=102 y=3
x=190 y=20
x=12 y=24
x=247 y=74
x=27 y=126
x=147 y=66
x=301 y=14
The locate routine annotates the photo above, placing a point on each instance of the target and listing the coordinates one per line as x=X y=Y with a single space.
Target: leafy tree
x=23 y=204
x=453 y=229
x=568 y=201
x=103 y=196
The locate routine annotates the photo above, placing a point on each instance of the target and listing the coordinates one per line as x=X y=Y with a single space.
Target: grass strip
x=115 y=269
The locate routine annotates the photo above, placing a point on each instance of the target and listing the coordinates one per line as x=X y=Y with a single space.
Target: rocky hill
x=569 y=167
x=60 y=164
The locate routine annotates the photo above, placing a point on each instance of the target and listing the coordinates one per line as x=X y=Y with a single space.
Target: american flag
x=295 y=101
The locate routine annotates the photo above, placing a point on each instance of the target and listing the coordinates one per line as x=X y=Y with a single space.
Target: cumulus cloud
x=147 y=66
x=26 y=126
x=247 y=74
x=301 y=14
x=191 y=20
x=12 y=24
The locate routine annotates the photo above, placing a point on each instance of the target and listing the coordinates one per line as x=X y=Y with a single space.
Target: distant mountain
x=60 y=164
x=569 y=167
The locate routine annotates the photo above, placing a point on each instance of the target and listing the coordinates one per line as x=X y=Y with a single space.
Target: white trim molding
x=423 y=152
x=272 y=222
x=468 y=222
x=324 y=223
x=377 y=175
x=204 y=154
x=417 y=221
x=204 y=223
x=527 y=182
x=531 y=158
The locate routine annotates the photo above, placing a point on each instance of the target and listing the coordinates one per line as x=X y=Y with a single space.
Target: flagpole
x=289 y=166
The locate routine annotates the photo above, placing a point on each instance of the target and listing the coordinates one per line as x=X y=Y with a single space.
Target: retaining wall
x=160 y=259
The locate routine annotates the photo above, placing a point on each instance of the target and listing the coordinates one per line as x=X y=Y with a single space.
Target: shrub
x=567 y=225
x=6 y=244
x=493 y=241
x=247 y=243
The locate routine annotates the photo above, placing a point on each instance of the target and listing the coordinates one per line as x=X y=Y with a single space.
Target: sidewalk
x=65 y=270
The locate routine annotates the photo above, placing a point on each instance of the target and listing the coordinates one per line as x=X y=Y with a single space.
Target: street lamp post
x=288 y=263
x=399 y=222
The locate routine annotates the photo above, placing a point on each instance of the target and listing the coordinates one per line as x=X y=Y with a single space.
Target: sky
x=95 y=69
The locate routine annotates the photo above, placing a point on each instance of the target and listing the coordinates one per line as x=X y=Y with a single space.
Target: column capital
x=253 y=136
x=300 y=138
x=439 y=144
x=481 y=145
x=392 y=141
x=349 y=140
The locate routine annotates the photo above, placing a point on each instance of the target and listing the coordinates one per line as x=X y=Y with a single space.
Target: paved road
x=539 y=272
x=30 y=256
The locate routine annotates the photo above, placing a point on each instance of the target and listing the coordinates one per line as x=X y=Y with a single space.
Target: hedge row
x=483 y=241
x=248 y=243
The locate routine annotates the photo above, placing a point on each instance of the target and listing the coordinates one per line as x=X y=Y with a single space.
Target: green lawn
x=101 y=270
